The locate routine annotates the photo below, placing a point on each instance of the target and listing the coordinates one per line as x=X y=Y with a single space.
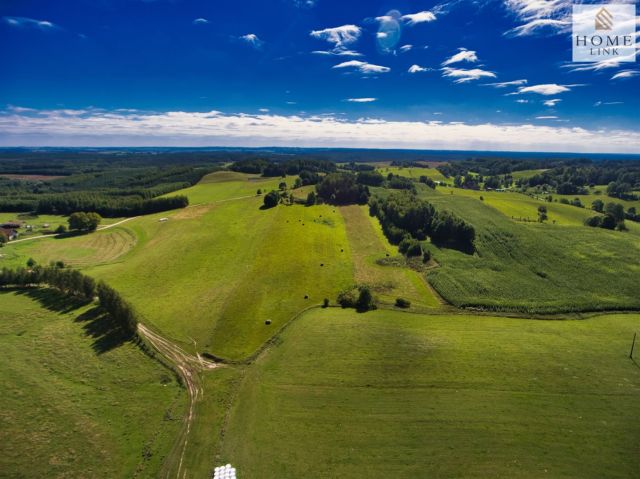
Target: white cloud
x=20 y=22
x=540 y=16
x=200 y=21
x=252 y=39
x=361 y=100
x=544 y=89
x=381 y=34
x=547 y=117
x=507 y=83
x=607 y=103
x=521 y=100
x=339 y=36
x=338 y=52
x=420 y=17
x=462 y=75
x=178 y=128
x=363 y=67
x=405 y=48
x=625 y=74
x=263 y=110
x=596 y=66
x=417 y=69
x=463 y=55
x=538 y=26
x=551 y=103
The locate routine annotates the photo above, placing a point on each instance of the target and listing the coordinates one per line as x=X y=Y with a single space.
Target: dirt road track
x=189 y=367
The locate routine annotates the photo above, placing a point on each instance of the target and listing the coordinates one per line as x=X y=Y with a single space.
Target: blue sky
x=413 y=74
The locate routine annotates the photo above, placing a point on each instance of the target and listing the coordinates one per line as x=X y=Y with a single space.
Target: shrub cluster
x=342 y=189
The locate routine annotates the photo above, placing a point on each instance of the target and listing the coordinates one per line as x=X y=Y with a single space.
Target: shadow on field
x=53 y=300
x=97 y=324
x=106 y=333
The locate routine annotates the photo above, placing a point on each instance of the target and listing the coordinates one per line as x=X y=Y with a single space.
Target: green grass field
x=521 y=207
x=368 y=245
x=389 y=394
x=414 y=172
x=534 y=267
x=76 y=401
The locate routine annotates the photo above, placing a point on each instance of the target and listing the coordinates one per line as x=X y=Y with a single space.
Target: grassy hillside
x=76 y=401
x=523 y=208
x=414 y=172
x=388 y=394
x=215 y=273
x=533 y=267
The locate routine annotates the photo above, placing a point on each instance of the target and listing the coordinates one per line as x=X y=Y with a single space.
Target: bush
x=403 y=303
x=366 y=301
x=325 y=303
x=426 y=256
x=62 y=229
x=271 y=199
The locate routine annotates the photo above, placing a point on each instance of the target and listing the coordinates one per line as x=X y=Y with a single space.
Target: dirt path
x=189 y=367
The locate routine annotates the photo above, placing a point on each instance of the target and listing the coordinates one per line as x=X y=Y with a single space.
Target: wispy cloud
x=522 y=100
x=505 y=84
x=200 y=21
x=418 y=69
x=363 y=67
x=463 y=55
x=178 y=128
x=608 y=103
x=420 y=17
x=462 y=75
x=338 y=53
x=361 y=100
x=625 y=74
x=547 y=117
x=339 y=36
x=25 y=22
x=599 y=65
x=551 y=103
x=252 y=40
x=405 y=48
x=538 y=26
x=539 y=16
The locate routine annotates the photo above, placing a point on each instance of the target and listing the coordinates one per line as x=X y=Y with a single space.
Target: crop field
x=368 y=245
x=76 y=400
x=404 y=395
x=569 y=267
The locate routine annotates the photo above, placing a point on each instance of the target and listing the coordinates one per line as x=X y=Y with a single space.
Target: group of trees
x=405 y=218
x=613 y=218
x=342 y=188
x=81 y=221
x=73 y=283
x=360 y=297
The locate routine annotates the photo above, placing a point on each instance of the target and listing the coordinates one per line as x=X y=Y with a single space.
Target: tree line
x=108 y=207
x=73 y=283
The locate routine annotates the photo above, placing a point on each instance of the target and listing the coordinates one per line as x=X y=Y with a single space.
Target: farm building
x=8 y=233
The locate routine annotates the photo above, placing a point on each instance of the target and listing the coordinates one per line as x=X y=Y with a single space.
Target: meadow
x=77 y=399
x=404 y=395
x=414 y=172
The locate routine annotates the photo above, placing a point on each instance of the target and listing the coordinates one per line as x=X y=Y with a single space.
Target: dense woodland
x=118 y=185
x=406 y=219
